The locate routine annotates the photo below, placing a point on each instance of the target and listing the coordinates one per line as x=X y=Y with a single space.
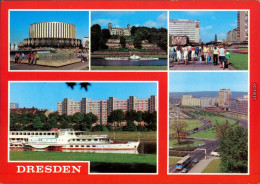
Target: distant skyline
x=21 y=20
x=208 y=81
x=45 y=95
x=150 y=19
x=211 y=22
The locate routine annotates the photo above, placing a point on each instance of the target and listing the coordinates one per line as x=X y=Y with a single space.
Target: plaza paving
x=197 y=65
x=75 y=66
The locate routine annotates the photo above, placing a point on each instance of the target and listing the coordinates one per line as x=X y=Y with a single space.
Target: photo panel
x=129 y=40
x=96 y=122
x=48 y=40
x=209 y=40
x=208 y=124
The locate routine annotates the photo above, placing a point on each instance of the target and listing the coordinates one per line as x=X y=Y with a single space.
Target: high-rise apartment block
x=189 y=100
x=242 y=26
x=224 y=98
x=185 y=27
x=103 y=108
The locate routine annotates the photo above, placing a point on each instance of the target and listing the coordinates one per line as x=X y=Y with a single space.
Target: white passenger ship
x=65 y=139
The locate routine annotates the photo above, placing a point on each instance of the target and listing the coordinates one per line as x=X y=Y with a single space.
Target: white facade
x=185 y=27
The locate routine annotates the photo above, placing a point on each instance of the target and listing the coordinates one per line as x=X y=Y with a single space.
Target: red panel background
x=8 y=170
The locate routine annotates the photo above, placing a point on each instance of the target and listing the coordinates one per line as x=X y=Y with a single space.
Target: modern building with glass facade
x=52 y=34
x=185 y=27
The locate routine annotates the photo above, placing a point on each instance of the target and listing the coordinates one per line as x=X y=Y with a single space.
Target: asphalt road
x=199 y=153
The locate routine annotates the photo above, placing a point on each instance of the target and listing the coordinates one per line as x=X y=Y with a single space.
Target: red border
x=8 y=170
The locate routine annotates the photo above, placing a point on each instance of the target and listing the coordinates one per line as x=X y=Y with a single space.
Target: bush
x=99 y=128
x=141 y=128
x=177 y=154
x=183 y=148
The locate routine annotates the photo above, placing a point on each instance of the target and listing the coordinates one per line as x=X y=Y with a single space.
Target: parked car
x=195 y=160
x=184 y=170
x=216 y=154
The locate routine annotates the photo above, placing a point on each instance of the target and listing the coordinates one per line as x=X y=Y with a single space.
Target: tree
x=221 y=129
x=122 y=42
x=43 y=117
x=137 y=42
x=77 y=117
x=14 y=120
x=105 y=34
x=234 y=151
x=139 y=117
x=52 y=123
x=130 y=126
x=54 y=115
x=130 y=116
x=95 y=37
x=116 y=116
x=179 y=128
x=37 y=124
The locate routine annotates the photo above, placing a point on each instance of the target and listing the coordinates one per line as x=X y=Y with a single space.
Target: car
x=184 y=170
x=195 y=160
x=216 y=154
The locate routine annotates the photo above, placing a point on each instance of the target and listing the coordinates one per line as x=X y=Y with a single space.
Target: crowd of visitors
x=32 y=58
x=204 y=53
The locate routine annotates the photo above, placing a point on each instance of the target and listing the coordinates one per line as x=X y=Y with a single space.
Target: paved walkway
x=197 y=65
x=75 y=66
x=199 y=167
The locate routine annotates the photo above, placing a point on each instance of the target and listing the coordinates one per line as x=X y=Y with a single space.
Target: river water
x=103 y=62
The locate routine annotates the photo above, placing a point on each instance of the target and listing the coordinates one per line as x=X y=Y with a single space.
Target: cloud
x=104 y=22
x=137 y=25
x=150 y=23
x=162 y=17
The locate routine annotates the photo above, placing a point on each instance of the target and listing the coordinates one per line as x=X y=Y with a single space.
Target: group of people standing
x=187 y=53
x=83 y=55
x=191 y=53
x=32 y=57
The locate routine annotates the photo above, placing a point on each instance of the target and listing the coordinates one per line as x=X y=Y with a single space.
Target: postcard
x=129 y=92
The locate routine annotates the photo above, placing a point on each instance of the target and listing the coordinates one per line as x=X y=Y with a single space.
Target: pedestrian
x=21 y=58
x=185 y=54
x=222 y=57
x=227 y=57
x=172 y=53
x=178 y=53
x=206 y=53
x=197 y=51
x=29 y=57
x=215 y=55
x=35 y=58
x=16 y=57
x=193 y=53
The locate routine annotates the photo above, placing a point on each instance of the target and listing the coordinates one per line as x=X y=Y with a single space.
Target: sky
x=208 y=81
x=45 y=95
x=155 y=19
x=21 y=20
x=211 y=22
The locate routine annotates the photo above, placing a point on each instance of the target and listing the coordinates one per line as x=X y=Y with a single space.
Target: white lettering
x=19 y=169
x=48 y=169
x=39 y=169
x=66 y=169
x=30 y=169
x=55 y=169
x=76 y=168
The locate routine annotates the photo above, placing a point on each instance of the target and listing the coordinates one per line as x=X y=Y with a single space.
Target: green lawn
x=129 y=67
x=213 y=167
x=172 y=161
x=192 y=123
x=174 y=143
x=143 y=136
x=239 y=61
x=209 y=134
x=78 y=156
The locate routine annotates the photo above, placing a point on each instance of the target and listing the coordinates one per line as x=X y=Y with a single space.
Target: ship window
x=40 y=133
x=36 y=133
x=76 y=146
x=95 y=139
x=49 y=133
x=32 y=133
x=93 y=146
x=16 y=133
x=82 y=146
x=44 y=133
x=89 y=139
x=78 y=140
x=71 y=146
x=12 y=133
x=24 y=133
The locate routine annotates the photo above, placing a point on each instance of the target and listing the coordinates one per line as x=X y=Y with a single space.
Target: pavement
x=199 y=167
x=197 y=65
x=74 y=66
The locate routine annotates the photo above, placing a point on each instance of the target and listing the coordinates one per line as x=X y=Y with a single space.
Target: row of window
x=32 y=133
